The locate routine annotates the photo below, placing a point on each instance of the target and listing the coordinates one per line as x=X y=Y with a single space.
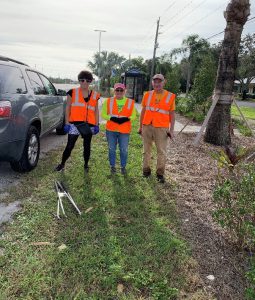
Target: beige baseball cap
x=158 y=76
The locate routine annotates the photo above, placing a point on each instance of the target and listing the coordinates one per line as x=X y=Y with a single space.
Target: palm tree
x=218 y=129
x=194 y=47
x=107 y=62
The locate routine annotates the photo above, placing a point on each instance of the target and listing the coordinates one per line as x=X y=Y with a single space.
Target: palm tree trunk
x=219 y=126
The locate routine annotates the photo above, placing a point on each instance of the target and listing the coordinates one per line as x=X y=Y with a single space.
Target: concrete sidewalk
x=178 y=126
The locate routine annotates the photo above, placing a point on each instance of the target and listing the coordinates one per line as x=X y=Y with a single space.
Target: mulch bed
x=195 y=171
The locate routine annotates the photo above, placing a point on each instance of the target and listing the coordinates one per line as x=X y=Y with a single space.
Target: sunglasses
x=85 y=80
x=119 y=90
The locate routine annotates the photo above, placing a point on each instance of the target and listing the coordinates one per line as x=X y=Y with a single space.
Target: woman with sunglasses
x=119 y=111
x=81 y=106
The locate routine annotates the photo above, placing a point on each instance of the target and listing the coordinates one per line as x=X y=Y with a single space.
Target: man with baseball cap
x=119 y=111
x=157 y=124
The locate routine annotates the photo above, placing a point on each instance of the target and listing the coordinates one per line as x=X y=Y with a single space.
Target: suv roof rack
x=12 y=60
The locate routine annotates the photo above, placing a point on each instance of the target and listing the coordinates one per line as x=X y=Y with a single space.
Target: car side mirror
x=61 y=92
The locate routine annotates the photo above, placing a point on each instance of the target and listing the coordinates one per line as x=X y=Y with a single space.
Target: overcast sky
x=58 y=38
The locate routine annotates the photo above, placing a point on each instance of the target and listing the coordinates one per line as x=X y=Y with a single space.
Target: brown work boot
x=146 y=173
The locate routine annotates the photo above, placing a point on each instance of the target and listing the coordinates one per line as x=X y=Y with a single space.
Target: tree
x=135 y=63
x=173 y=77
x=204 y=81
x=163 y=64
x=107 y=62
x=218 y=128
x=246 y=69
x=194 y=48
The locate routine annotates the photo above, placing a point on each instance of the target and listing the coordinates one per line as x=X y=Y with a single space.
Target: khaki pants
x=159 y=136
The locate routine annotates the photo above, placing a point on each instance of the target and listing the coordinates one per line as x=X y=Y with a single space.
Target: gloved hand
x=115 y=119
x=95 y=129
x=67 y=128
x=123 y=120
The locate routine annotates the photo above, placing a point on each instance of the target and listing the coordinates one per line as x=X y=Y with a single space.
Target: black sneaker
x=60 y=167
x=123 y=171
x=86 y=168
x=161 y=178
x=113 y=170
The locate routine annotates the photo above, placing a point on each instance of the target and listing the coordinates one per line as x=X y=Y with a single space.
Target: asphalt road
x=246 y=103
x=8 y=177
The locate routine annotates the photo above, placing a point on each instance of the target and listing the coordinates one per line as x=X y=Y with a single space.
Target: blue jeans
x=113 y=139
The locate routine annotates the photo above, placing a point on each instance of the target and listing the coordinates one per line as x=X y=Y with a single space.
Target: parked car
x=30 y=107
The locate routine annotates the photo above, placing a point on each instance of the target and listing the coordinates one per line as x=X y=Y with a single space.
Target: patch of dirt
x=194 y=171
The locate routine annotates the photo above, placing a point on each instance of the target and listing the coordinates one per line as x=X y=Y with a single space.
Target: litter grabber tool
x=63 y=193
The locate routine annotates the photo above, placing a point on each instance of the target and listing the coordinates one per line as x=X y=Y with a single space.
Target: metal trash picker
x=62 y=192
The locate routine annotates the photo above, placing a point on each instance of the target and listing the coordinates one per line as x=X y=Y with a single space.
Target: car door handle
x=55 y=102
x=41 y=104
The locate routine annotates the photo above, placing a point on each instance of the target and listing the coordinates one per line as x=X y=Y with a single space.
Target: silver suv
x=30 y=107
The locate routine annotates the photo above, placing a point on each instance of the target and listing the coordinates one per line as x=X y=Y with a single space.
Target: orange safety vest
x=157 y=114
x=81 y=110
x=112 y=110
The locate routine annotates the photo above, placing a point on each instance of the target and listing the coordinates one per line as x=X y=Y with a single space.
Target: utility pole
x=99 y=63
x=154 y=52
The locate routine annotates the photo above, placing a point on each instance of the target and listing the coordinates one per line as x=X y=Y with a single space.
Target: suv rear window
x=11 y=80
x=48 y=85
x=36 y=83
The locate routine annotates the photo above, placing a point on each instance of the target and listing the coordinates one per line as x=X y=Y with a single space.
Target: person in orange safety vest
x=82 y=106
x=157 y=124
x=119 y=111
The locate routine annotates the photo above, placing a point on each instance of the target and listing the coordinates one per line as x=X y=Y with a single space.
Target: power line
x=146 y=39
x=250 y=19
x=197 y=22
x=188 y=13
x=215 y=35
x=147 y=36
x=170 y=6
x=210 y=37
x=179 y=12
x=224 y=30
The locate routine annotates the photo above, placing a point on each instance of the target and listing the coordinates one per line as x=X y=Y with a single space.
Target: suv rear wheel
x=30 y=154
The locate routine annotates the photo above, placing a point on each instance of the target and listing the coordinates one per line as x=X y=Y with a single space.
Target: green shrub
x=204 y=80
x=234 y=197
x=188 y=108
x=250 y=292
x=182 y=105
x=199 y=117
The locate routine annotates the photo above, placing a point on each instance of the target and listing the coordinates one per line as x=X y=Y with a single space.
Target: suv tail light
x=5 y=109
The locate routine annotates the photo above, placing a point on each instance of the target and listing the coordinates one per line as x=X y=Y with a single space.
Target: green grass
x=248 y=112
x=241 y=126
x=129 y=239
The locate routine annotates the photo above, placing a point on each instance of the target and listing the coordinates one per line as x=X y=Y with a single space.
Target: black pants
x=72 y=138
